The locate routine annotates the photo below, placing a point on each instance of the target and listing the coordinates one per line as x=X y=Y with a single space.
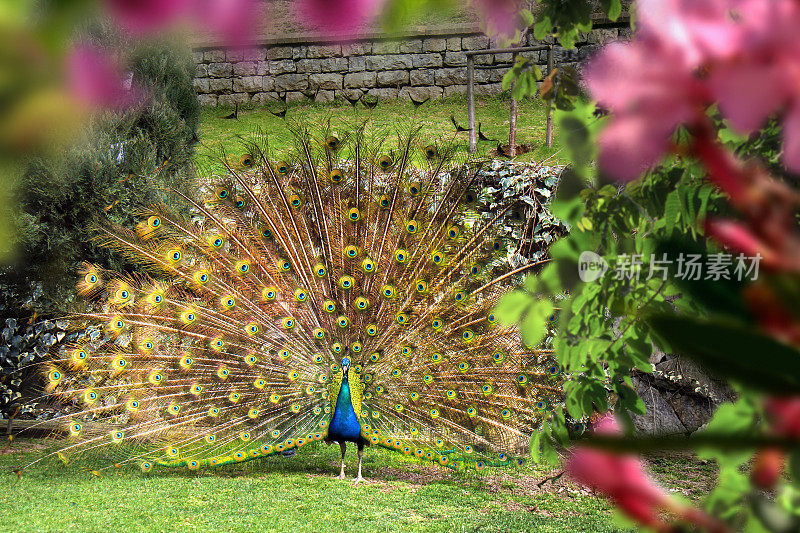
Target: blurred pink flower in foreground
x=500 y=16
x=688 y=54
x=235 y=21
x=338 y=16
x=622 y=479
x=94 y=79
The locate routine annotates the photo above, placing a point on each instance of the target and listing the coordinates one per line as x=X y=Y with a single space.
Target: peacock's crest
x=228 y=343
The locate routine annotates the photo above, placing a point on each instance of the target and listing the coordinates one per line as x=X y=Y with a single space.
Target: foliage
x=125 y=162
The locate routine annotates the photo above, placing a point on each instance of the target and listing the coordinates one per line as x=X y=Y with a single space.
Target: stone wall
x=424 y=62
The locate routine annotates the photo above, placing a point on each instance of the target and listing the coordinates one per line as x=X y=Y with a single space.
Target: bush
x=126 y=161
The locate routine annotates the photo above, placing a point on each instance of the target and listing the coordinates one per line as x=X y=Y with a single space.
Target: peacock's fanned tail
x=227 y=344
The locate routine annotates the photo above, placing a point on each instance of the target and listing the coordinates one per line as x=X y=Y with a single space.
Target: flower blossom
x=687 y=55
x=94 y=79
x=622 y=479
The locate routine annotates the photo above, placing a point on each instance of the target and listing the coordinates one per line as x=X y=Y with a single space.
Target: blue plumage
x=344 y=425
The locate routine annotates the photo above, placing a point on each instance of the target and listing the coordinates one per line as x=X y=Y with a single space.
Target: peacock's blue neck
x=344 y=425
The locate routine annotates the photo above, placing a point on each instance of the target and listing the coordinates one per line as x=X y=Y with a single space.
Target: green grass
x=389 y=117
x=282 y=494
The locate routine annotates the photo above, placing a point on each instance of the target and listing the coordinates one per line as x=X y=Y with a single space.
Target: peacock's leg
x=360 y=456
x=343 y=446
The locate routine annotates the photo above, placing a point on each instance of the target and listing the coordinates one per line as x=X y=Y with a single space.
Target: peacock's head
x=345 y=364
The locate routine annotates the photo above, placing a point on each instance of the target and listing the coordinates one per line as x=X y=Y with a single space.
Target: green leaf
x=733 y=350
x=527 y=17
x=512 y=306
x=672 y=208
x=613 y=8
x=533 y=326
x=542 y=28
x=508 y=79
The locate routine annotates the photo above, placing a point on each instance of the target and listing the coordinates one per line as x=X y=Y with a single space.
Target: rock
x=245 y=68
x=291 y=82
x=389 y=62
x=478 y=42
x=435 y=45
x=422 y=77
x=326 y=81
x=248 y=84
x=360 y=79
x=426 y=60
x=282 y=67
x=220 y=85
x=220 y=70
x=331 y=50
x=393 y=78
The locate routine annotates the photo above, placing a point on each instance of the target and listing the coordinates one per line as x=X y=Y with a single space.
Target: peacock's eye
x=411 y=226
x=246 y=160
x=414 y=189
x=383 y=201
x=282 y=167
x=154 y=222
x=91 y=278
x=459 y=296
x=430 y=151
x=372 y=330
x=336 y=175
x=385 y=162
x=353 y=214
x=388 y=291
x=295 y=201
x=332 y=142
x=239 y=202
x=401 y=256
x=222 y=193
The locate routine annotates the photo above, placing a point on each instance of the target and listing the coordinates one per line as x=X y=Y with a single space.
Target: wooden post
x=512 y=118
x=473 y=142
x=549 y=134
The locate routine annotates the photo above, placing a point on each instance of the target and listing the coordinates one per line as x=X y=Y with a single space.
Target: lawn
x=388 y=118
x=301 y=493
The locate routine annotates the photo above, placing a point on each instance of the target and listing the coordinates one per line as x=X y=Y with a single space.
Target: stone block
x=248 y=84
x=197 y=56
x=355 y=80
x=411 y=46
x=475 y=42
x=488 y=89
x=299 y=52
x=495 y=75
x=326 y=81
x=291 y=82
x=325 y=96
x=420 y=93
x=503 y=58
x=389 y=62
x=422 y=77
x=451 y=76
x=232 y=99
x=201 y=70
x=436 y=44
x=450 y=90
x=384 y=93
x=294 y=96
x=426 y=60
x=220 y=85
x=267 y=83
x=245 y=68
x=483 y=59
x=220 y=70
x=213 y=56
x=356 y=49
x=334 y=64
x=254 y=54
x=262 y=68
x=308 y=65
x=356 y=63
x=265 y=98
x=207 y=99
x=201 y=85
x=329 y=50
x=280 y=52
x=234 y=55
x=282 y=66
x=454 y=44
x=392 y=78
x=455 y=59
x=386 y=47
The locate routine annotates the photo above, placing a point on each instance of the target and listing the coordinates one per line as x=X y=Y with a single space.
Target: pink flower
x=341 y=17
x=147 y=16
x=94 y=79
x=620 y=477
x=501 y=17
x=650 y=92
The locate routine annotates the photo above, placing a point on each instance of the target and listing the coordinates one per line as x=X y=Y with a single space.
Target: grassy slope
x=388 y=117
x=278 y=494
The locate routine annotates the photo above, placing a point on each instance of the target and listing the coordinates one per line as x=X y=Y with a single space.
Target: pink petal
x=737 y=236
x=338 y=16
x=630 y=145
x=235 y=22
x=94 y=78
x=747 y=94
x=147 y=16
x=500 y=16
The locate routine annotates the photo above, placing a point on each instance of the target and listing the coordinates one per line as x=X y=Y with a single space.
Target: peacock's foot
x=358 y=479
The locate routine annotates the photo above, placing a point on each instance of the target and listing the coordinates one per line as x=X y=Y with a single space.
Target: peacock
x=339 y=291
